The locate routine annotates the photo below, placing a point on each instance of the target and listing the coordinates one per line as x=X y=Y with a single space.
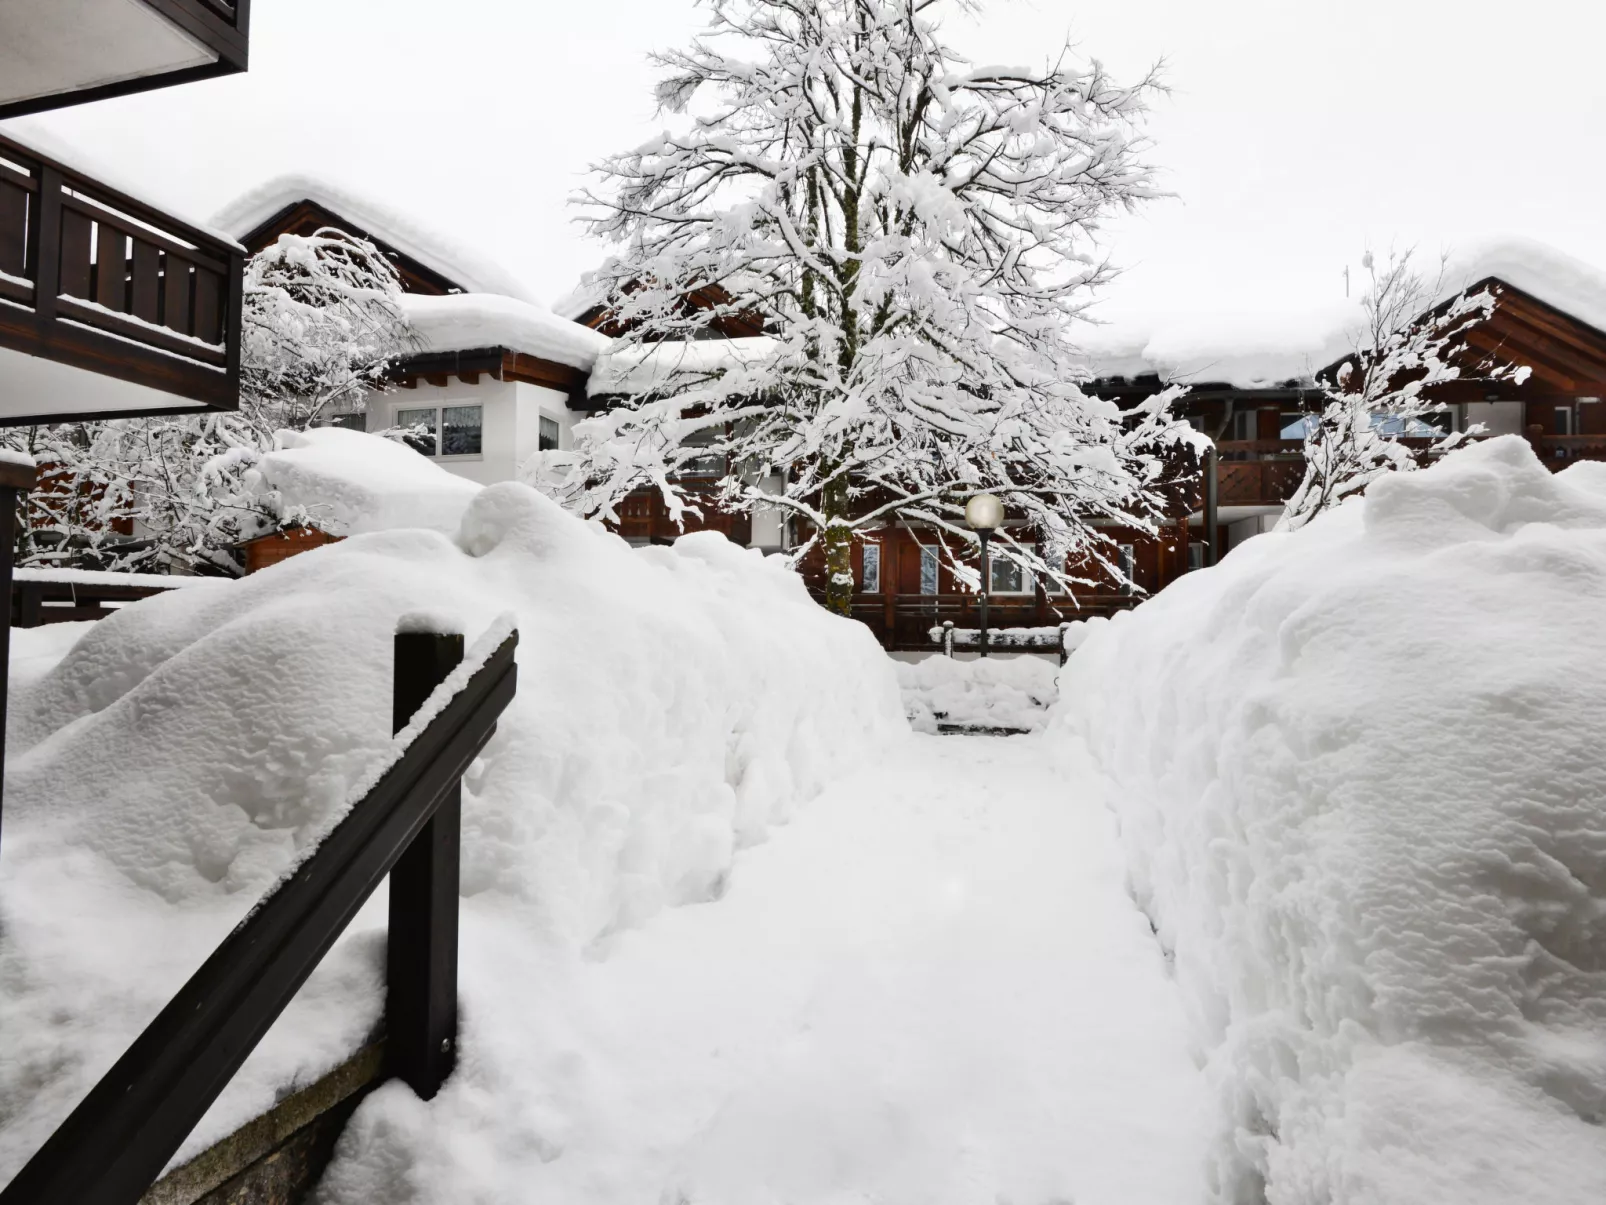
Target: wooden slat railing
x=104 y=282
x=117 y=1141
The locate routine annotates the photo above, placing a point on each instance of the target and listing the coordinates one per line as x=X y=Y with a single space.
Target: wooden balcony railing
x=1553 y=448
x=98 y=280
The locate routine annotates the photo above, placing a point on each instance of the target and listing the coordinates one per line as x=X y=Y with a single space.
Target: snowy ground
x=930 y=987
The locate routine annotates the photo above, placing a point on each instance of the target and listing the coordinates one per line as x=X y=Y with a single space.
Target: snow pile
x=1359 y=776
x=985 y=693
x=467 y=321
x=347 y=483
x=171 y=766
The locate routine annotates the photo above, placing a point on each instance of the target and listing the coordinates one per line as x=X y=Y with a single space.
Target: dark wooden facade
x=102 y=282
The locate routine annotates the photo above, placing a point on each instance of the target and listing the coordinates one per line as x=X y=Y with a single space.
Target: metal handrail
x=117 y=1141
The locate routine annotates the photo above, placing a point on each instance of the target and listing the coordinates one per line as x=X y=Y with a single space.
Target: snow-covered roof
x=74 y=155
x=475 y=271
x=584 y=296
x=1265 y=348
x=640 y=367
x=1560 y=280
x=469 y=320
x=1247 y=350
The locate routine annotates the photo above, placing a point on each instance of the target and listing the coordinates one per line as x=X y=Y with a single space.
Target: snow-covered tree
x=916 y=237
x=321 y=321
x=1409 y=342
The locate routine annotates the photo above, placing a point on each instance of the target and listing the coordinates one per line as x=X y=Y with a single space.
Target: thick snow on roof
x=1538 y=269
x=73 y=155
x=1248 y=350
x=640 y=367
x=349 y=483
x=468 y=320
x=1252 y=349
x=585 y=295
x=472 y=269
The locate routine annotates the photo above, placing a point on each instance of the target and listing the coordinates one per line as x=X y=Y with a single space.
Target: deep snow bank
x=1360 y=778
x=168 y=768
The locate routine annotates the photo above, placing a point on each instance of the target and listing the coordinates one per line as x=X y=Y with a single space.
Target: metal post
x=1211 y=509
x=421 y=967
x=986 y=585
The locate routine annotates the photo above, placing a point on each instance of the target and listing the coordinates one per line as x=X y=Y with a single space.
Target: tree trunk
x=838 y=550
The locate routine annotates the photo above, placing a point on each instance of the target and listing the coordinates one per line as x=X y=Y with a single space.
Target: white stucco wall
x=511 y=414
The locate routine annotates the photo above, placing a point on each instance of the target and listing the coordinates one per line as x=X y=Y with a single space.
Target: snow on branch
x=916 y=237
x=1410 y=342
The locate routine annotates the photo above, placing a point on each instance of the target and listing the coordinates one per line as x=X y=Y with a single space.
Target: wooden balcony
x=1558 y=451
x=109 y=308
x=1260 y=472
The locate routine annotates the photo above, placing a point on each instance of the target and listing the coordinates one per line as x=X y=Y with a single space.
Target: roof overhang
x=55 y=53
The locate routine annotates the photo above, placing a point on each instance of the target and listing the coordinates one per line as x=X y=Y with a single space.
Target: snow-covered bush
x=993 y=692
x=673 y=704
x=1359 y=775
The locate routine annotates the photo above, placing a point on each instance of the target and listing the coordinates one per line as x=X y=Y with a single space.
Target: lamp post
x=985 y=514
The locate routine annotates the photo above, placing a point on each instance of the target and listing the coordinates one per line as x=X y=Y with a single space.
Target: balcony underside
x=63 y=52
x=36 y=390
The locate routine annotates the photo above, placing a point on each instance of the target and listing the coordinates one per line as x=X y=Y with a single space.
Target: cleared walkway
x=931 y=987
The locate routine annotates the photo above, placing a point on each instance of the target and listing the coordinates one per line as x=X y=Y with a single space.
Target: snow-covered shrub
x=1359 y=774
x=993 y=692
x=673 y=704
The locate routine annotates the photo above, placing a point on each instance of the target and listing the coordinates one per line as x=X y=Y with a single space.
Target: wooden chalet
x=495 y=372
x=904 y=589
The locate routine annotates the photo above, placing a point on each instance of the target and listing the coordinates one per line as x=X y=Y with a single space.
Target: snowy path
x=930 y=987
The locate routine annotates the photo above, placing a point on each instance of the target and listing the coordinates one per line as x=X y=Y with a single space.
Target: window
x=928 y=571
x=1245 y=425
x=1295 y=425
x=444 y=430
x=1563 y=424
x=1128 y=563
x=1006 y=577
x=870 y=578
x=549 y=434
x=1196 y=555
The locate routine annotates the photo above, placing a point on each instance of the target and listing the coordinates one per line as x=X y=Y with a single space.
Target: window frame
x=928 y=556
x=865 y=557
x=400 y=408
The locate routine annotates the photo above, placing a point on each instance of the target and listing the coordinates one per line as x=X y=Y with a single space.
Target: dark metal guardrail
x=117 y=1141
x=1002 y=640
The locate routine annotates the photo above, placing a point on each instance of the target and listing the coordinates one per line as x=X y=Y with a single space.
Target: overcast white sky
x=1297 y=132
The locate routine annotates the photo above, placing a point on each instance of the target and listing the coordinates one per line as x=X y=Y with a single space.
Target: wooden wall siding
x=498 y=363
x=104 y=283
x=736 y=326
x=643 y=518
x=308 y=217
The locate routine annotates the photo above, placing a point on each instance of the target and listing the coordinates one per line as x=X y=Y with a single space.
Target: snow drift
x=997 y=692
x=673 y=704
x=1358 y=772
